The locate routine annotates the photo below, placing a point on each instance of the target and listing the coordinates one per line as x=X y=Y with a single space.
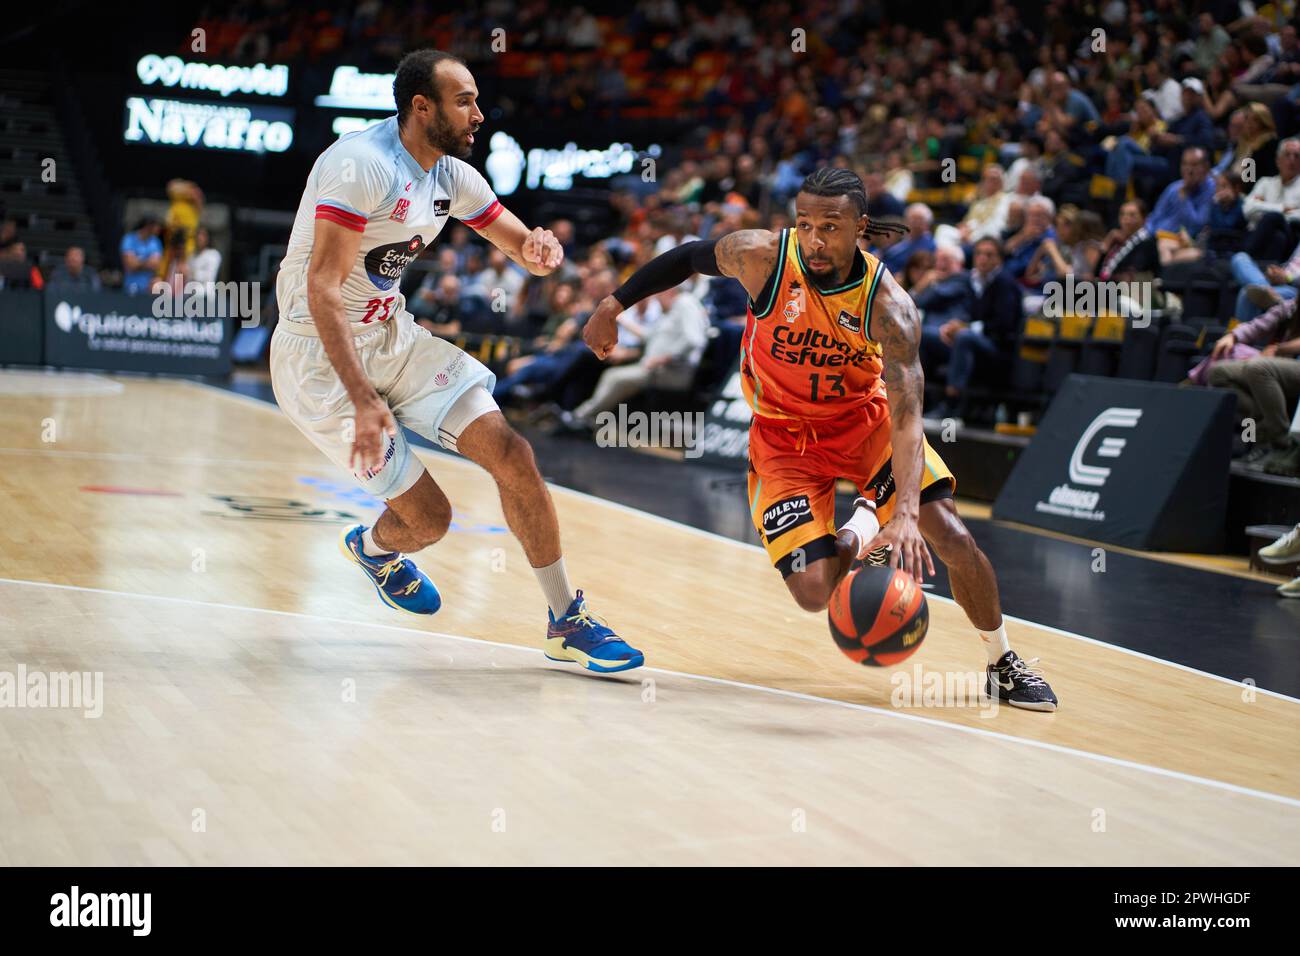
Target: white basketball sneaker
x=1284 y=550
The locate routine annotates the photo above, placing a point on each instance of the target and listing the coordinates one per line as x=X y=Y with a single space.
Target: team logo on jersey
x=811 y=346
x=794 y=306
x=784 y=515
x=849 y=321
x=441 y=207
x=385 y=264
x=399 y=211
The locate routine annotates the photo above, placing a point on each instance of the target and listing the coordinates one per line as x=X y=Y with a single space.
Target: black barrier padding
x=1137 y=464
x=21 y=318
x=114 y=331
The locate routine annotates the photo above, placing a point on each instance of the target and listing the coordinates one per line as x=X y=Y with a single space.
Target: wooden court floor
x=260 y=705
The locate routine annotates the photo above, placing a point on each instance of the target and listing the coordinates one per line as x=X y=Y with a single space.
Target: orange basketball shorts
x=792 y=473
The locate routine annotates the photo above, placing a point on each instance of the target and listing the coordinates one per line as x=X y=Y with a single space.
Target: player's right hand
x=907 y=547
x=372 y=422
x=601 y=331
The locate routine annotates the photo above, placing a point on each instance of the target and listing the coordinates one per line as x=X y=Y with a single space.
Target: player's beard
x=445 y=138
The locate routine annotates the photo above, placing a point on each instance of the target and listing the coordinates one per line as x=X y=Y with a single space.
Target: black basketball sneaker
x=878 y=557
x=1017 y=682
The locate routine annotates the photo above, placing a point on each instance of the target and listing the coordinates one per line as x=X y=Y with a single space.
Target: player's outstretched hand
x=541 y=248
x=907 y=549
x=373 y=421
x=601 y=331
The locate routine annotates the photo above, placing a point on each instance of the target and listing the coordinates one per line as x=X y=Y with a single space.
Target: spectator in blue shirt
x=1020 y=248
x=1183 y=209
x=1078 y=110
x=141 y=253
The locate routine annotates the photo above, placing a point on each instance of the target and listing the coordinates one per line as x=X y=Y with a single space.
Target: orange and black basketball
x=878 y=616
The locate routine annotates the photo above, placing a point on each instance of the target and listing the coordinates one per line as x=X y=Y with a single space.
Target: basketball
x=878 y=616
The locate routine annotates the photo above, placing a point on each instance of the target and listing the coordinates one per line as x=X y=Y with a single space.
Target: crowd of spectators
x=1148 y=142
x=1020 y=144
x=177 y=248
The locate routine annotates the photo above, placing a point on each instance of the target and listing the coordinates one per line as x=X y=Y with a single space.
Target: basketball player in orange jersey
x=829 y=366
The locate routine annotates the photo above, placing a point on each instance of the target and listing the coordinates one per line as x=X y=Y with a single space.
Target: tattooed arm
x=748 y=256
x=896 y=325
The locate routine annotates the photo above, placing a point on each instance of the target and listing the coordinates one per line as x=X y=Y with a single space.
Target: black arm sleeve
x=672 y=268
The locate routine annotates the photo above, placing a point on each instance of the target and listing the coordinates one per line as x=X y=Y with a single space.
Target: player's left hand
x=541 y=248
x=907 y=549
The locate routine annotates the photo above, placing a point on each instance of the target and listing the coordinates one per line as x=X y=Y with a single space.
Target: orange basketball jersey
x=807 y=353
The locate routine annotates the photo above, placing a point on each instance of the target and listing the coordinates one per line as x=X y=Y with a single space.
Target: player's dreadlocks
x=837 y=181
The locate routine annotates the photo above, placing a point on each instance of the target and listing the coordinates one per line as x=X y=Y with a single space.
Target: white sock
x=864 y=525
x=995 y=642
x=555 y=585
x=368 y=546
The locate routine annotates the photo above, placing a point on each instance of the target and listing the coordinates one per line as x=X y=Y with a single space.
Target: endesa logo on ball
x=385 y=264
x=784 y=515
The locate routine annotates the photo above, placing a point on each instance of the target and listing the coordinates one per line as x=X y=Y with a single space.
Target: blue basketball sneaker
x=581 y=637
x=399 y=582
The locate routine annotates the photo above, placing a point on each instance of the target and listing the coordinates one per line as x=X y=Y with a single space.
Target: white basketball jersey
x=367 y=181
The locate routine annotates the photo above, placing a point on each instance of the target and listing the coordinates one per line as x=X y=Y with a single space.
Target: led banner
x=221 y=126
x=172 y=71
x=509 y=165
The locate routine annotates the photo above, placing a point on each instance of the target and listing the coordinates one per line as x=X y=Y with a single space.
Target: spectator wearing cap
x=1272 y=209
x=72 y=272
x=1193 y=128
x=141 y=252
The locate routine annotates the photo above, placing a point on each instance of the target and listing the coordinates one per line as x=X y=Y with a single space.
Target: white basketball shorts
x=432 y=387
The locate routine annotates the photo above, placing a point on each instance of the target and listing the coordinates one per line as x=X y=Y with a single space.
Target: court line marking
x=930 y=595
x=445 y=457
x=628 y=509
x=142 y=456
x=775 y=691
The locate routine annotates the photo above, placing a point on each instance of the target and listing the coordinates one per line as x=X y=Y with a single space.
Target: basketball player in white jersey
x=349 y=364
